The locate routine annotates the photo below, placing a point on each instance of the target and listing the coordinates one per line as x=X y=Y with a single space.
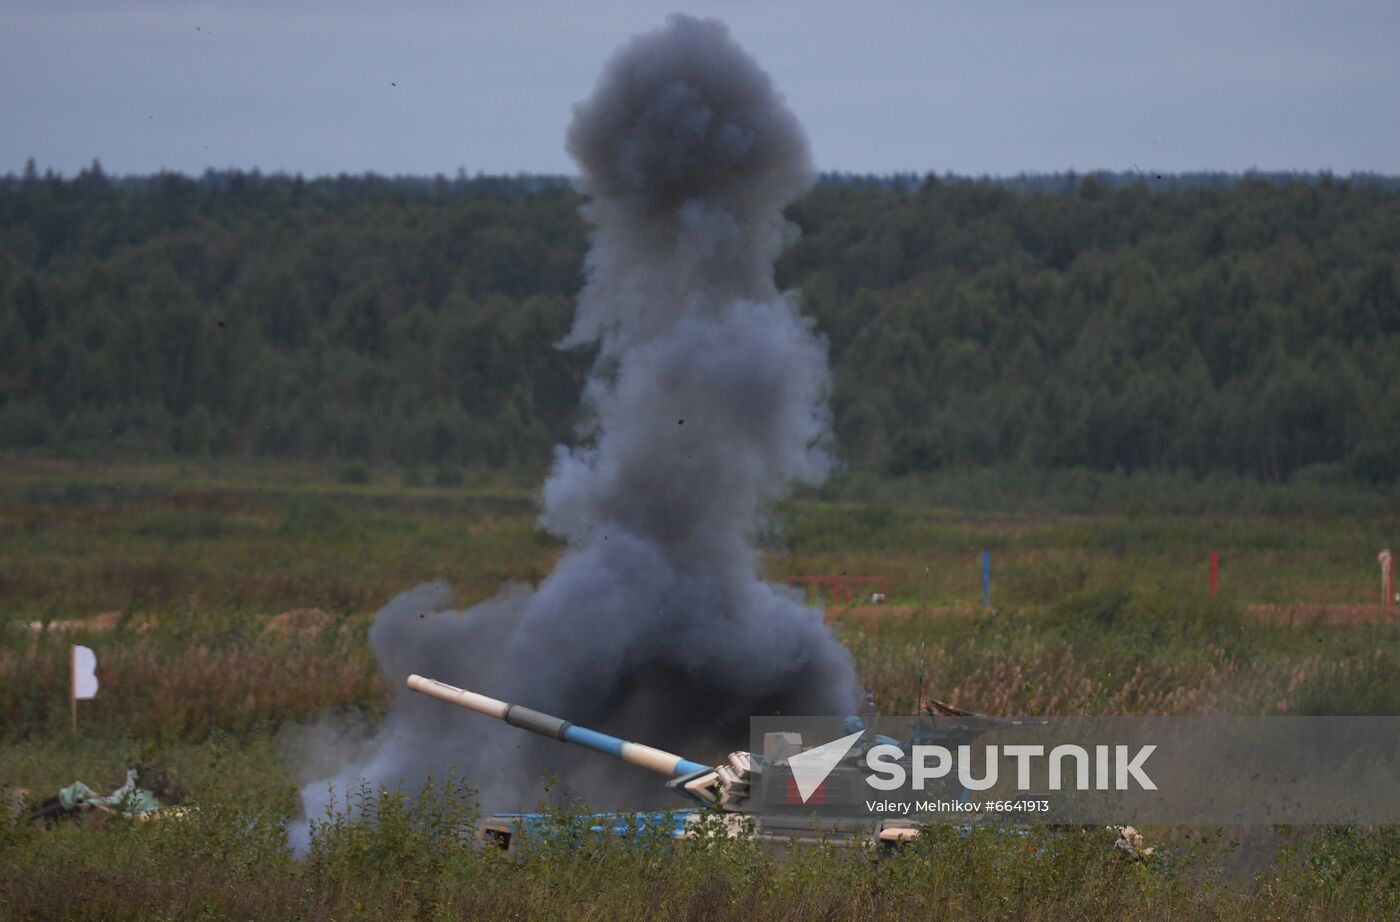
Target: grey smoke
x=707 y=403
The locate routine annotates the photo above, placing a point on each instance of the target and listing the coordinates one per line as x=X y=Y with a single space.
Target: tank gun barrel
x=648 y=757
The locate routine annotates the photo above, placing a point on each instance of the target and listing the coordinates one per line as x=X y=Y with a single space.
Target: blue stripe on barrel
x=611 y=745
x=593 y=740
x=687 y=767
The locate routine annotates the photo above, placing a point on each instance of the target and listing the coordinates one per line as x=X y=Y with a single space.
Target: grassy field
x=229 y=607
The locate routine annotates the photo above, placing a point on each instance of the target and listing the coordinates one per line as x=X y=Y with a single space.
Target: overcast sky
x=971 y=87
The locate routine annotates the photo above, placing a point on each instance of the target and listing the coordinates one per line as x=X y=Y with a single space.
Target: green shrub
x=447 y=476
x=354 y=472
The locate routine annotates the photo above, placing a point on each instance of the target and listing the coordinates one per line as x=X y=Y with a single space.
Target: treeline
x=1249 y=327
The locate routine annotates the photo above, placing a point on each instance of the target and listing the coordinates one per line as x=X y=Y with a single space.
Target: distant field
x=180 y=563
x=81 y=539
x=229 y=606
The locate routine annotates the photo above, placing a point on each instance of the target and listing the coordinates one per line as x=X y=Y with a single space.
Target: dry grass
x=157 y=687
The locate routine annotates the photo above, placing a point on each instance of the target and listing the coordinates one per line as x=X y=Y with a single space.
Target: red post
x=1387 y=577
x=1214 y=571
x=1390 y=581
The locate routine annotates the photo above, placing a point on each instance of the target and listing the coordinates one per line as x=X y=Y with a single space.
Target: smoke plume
x=706 y=404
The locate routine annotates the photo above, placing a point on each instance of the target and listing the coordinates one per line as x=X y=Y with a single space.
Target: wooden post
x=1214 y=571
x=73 y=686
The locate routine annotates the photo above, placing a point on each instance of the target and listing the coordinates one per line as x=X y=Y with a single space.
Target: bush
x=447 y=476
x=356 y=472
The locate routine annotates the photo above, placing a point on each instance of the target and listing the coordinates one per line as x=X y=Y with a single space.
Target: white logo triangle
x=810 y=768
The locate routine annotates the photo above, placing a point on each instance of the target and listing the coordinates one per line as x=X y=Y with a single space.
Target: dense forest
x=1248 y=325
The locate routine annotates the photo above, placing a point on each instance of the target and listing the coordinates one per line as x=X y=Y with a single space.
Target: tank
x=787 y=819
x=723 y=789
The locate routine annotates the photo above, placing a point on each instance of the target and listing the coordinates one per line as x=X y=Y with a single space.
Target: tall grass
x=188 y=691
x=383 y=855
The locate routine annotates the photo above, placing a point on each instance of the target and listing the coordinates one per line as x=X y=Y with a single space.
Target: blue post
x=986 y=579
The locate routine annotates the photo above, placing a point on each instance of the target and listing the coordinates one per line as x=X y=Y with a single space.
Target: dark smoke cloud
x=708 y=401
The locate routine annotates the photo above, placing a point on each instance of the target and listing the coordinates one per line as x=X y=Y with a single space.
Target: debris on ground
x=128 y=801
x=1130 y=844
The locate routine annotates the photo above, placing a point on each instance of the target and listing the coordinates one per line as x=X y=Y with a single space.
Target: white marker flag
x=84 y=672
